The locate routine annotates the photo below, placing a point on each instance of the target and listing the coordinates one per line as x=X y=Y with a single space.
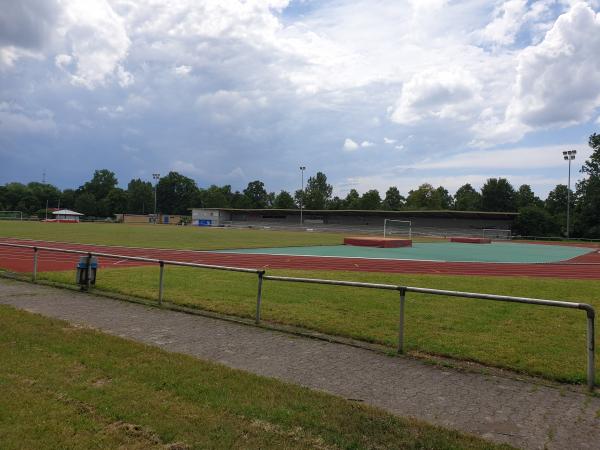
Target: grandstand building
x=424 y=222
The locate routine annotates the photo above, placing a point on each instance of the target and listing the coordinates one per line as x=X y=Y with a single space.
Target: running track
x=20 y=260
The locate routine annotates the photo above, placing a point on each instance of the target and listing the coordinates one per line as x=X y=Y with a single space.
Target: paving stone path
x=500 y=409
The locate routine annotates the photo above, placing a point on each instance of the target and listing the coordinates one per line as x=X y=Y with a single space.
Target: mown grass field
x=163 y=236
x=544 y=341
x=67 y=387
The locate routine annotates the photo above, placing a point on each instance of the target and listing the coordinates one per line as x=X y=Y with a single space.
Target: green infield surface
x=68 y=387
x=501 y=252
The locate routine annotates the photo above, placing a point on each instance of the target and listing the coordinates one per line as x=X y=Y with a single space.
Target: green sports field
x=163 y=236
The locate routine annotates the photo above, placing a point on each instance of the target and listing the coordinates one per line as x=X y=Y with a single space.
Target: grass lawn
x=67 y=387
x=163 y=236
x=537 y=340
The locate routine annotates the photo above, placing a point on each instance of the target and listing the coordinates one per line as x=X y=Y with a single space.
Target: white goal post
x=393 y=227
x=493 y=233
x=11 y=215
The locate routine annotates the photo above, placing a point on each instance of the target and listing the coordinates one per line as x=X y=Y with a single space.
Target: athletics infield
x=497 y=259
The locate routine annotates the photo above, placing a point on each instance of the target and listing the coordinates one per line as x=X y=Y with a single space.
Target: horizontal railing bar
x=504 y=298
x=501 y=298
x=134 y=258
x=389 y=287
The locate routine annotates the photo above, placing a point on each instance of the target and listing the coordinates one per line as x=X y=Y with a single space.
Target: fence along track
x=402 y=290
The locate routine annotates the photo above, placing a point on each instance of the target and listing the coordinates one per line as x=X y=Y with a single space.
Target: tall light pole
x=156 y=177
x=569 y=155
x=302 y=169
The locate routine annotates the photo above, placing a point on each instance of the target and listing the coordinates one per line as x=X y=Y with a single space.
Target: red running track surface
x=20 y=260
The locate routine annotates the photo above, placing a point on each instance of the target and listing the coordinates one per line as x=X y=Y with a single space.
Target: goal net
x=11 y=215
x=494 y=234
x=397 y=228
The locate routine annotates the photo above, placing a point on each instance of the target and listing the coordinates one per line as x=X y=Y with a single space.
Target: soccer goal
x=495 y=234
x=11 y=215
x=397 y=228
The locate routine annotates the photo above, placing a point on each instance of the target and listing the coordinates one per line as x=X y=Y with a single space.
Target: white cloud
x=96 y=40
x=367 y=144
x=350 y=145
x=187 y=168
x=389 y=141
x=182 y=70
x=508 y=19
x=526 y=158
x=558 y=80
x=449 y=94
x=237 y=173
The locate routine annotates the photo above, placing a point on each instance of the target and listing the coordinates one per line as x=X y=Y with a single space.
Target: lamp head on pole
x=569 y=154
x=302 y=168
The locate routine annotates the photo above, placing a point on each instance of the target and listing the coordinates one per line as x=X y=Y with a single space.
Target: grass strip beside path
x=544 y=341
x=68 y=387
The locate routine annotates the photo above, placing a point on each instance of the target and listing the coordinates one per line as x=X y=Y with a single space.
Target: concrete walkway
x=503 y=410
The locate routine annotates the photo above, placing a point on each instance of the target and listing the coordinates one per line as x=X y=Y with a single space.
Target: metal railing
x=402 y=290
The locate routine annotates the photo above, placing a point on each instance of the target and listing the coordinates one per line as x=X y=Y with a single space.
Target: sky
x=374 y=93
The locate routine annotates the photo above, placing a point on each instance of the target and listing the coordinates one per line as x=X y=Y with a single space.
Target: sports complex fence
x=401 y=290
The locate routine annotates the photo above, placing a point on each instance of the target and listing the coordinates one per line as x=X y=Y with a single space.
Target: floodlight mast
x=302 y=169
x=569 y=155
x=156 y=177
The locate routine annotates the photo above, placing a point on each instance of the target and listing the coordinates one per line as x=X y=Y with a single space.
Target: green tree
x=497 y=194
x=556 y=203
x=284 y=200
x=393 y=200
x=586 y=220
x=525 y=197
x=176 y=193
x=467 y=199
x=117 y=201
x=352 y=200
x=85 y=203
x=336 y=203
x=257 y=194
x=446 y=200
x=425 y=197
x=240 y=201
x=140 y=197
x=317 y=192
x=536 y=221
x=45 y=194
x=14 y=193
x=370 y=200
x=218 y=197
x=102 y=182
x=67 y=199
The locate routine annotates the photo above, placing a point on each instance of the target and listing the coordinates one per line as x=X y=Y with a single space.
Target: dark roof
x=378 y=213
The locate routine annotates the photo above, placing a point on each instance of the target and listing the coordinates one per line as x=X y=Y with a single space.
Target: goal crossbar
x=390 y=222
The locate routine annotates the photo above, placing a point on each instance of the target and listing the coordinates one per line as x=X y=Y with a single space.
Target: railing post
x=259 y=295
x=160 y=282
x=591 y=370
x=35 y=264
x=401 y=321
x=88 y=281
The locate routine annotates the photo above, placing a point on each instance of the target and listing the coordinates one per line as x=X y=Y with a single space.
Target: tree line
x=176 y=193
